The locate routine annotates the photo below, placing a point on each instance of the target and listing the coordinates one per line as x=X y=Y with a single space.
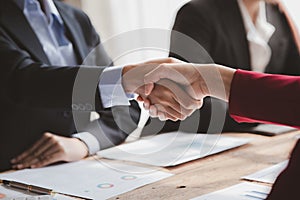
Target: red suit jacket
x=256 y=97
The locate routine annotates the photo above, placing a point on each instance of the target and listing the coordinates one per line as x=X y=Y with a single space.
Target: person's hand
x=51 y=149
x=185 y=74
x=172 y=99
x=133 y=75
x=197 y=80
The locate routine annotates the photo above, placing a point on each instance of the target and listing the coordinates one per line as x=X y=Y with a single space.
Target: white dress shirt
x=258 y=36
x=42 y=24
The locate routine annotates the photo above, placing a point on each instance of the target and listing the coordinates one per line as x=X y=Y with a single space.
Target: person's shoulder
x=274 y=10
x=202 y=5
x=204 y=8
x=277 y=17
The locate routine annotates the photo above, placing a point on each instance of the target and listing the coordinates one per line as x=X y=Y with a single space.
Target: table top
x=218 y=171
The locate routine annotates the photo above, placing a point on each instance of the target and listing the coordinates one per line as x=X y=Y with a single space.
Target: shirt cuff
x=111 y=89
x=90 y=141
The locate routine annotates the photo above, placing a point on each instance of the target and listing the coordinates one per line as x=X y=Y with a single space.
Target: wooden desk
x=218 y=171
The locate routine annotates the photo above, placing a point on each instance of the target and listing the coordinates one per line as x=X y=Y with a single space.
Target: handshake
x=172 y=89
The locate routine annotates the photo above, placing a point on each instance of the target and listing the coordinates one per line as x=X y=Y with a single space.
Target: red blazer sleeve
x=257 y=97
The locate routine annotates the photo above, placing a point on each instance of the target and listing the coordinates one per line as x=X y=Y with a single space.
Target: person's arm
x=109 y=130
x=259 y=97
x=252 y=96
x=49 y=149
x=34 y=84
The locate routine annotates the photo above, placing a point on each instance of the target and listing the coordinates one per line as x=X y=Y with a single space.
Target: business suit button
x=82 y=107
x=75 y=107
x=89 y=106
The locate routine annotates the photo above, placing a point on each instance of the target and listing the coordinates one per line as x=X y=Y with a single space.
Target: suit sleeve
x=30 y=83
x=114 y=125
x=256 y=97
x=117 y=122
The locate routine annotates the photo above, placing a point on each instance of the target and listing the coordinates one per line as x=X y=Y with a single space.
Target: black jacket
x=37 y=97
x=207 y=31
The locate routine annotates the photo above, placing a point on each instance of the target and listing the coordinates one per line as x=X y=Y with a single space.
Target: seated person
x=247 y=34
x=29 y=40
x=42 y=45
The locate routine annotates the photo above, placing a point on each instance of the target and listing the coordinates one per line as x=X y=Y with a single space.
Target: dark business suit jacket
x=217 y=26
x=36 y=97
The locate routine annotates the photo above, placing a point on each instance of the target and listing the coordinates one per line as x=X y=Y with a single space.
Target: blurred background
x=114 y=17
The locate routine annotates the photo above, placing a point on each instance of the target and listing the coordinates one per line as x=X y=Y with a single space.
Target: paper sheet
x=173 y=148
x=272 y=129
x=242 y=191
x=89 y=178
x=267 y=175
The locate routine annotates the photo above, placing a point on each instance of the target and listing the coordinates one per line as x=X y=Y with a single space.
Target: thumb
x=152 y=77
x=148 y=88
x=156 y=74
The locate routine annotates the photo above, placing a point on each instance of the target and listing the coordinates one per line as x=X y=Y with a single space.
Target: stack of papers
x=271 y=129
x=173 y=148
x=91 y=179
x=242 y=191
x=267 y=175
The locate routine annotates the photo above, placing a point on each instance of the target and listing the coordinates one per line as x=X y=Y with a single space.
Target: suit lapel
x=278 y=42
x=233 y=26
x=73 y=30
x=14 y=21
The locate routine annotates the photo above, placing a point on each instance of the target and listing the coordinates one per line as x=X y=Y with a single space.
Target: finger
x=195 y=91
x=153 y=111
x=154 y=76
x=161 y=116
x=32 y=150
x=53 y=156
x=174 y=96
x=40 y=159
x=166 y=109
x=164 y=60
x=178 y=72
x=40 y=153
x=166 y=116
x=147 y=104
x=175 y=107
x=186 y=101
x=148 y=88
x=140 y=99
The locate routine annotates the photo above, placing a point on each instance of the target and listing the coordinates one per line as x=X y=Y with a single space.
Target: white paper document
x=173 y=148
x=242 y=191
x=267 y=175
x=91 y=179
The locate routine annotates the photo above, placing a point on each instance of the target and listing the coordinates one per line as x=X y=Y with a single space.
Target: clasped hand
x=170 y=88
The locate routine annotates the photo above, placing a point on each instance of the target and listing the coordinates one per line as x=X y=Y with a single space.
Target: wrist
x=126 y=80
x=81 y=147
x=227 y=75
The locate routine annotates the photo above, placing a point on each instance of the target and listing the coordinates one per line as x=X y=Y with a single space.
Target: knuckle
x=47 y=134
